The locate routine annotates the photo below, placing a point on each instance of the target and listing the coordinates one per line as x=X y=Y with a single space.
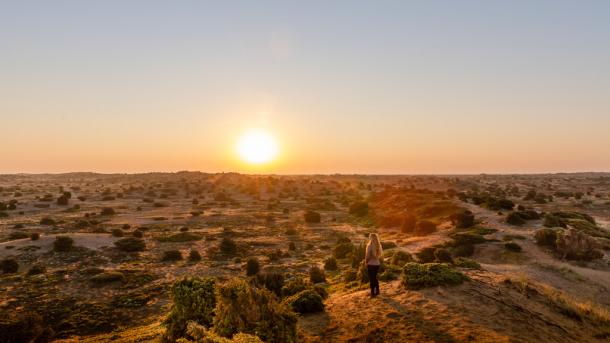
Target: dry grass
x=566 y=304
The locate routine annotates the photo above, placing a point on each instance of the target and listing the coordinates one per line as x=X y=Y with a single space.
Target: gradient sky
x=345 y=86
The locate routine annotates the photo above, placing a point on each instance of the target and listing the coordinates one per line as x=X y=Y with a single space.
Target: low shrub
x=514 y=218
x=546 y=237
x=253 y=266
x=137 y=233
x=194 y=256
x=37 y=269
x=316 y=275
x=464 y=250
x=426 y=255
x=63 y=244
x=9 y=266
x=194 y=299
x=321 y=290
x=464 y=219
x=130 y=244
x=577 y=245
x=35 y=236
x=464 y=262
x=291 y=231
x=512 y=246
x=390 y=272
x=416 y=275
x=228 y=246
x=107 y=211
x=342 y=250
x=273 y=281
x=171 y=255
x=116 y=232
x=307 y=301
x=553 y=221
x=246 y=309
x=312 y=217
x=400 y=258
x=62 y=200
x=442 y=255
x=330 y=263
x=294 y=286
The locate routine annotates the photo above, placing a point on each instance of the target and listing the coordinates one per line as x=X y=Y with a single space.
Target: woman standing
x=373 y=258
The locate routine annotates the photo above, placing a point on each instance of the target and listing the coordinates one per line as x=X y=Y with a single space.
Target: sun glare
x=257 y=147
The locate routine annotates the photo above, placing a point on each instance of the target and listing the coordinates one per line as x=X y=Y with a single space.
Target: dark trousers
x=372 y=271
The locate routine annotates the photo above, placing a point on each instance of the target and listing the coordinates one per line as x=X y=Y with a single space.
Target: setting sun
x=257 y=147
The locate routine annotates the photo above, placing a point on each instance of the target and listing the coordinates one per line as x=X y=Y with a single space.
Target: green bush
x=416 y=275
x=272 y=281
x=464 y=262
x=442 y=255
x=320 y=290
x=246 y=309
x=577 y=245
x=546 y=237
x=514 y=218
x=464 y=219
x=307 y=301
x=464 y=250
x=512 y=246
x=316 y=275
x=62 y=200
x=390 y=272
x=171 y=255
x=63 y=243
x=199 y=333
x=294 y=286
x=9 y=266
x=312 y=217
x=130 y=244
x=553 y=221
x=330 y=263
x=426 y=255
x=228 y=246
x=194 y=299
x=400 y=258
x=342 y=250
x=253 y=266
x=194 y=256
x=108 y=211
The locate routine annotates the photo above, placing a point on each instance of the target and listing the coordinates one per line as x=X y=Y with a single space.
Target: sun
x=257 y=147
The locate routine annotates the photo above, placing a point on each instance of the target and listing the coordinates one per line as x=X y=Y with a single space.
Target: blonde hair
x=374 y=242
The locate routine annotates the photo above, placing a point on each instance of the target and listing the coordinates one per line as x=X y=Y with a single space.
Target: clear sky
x=344 y=86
